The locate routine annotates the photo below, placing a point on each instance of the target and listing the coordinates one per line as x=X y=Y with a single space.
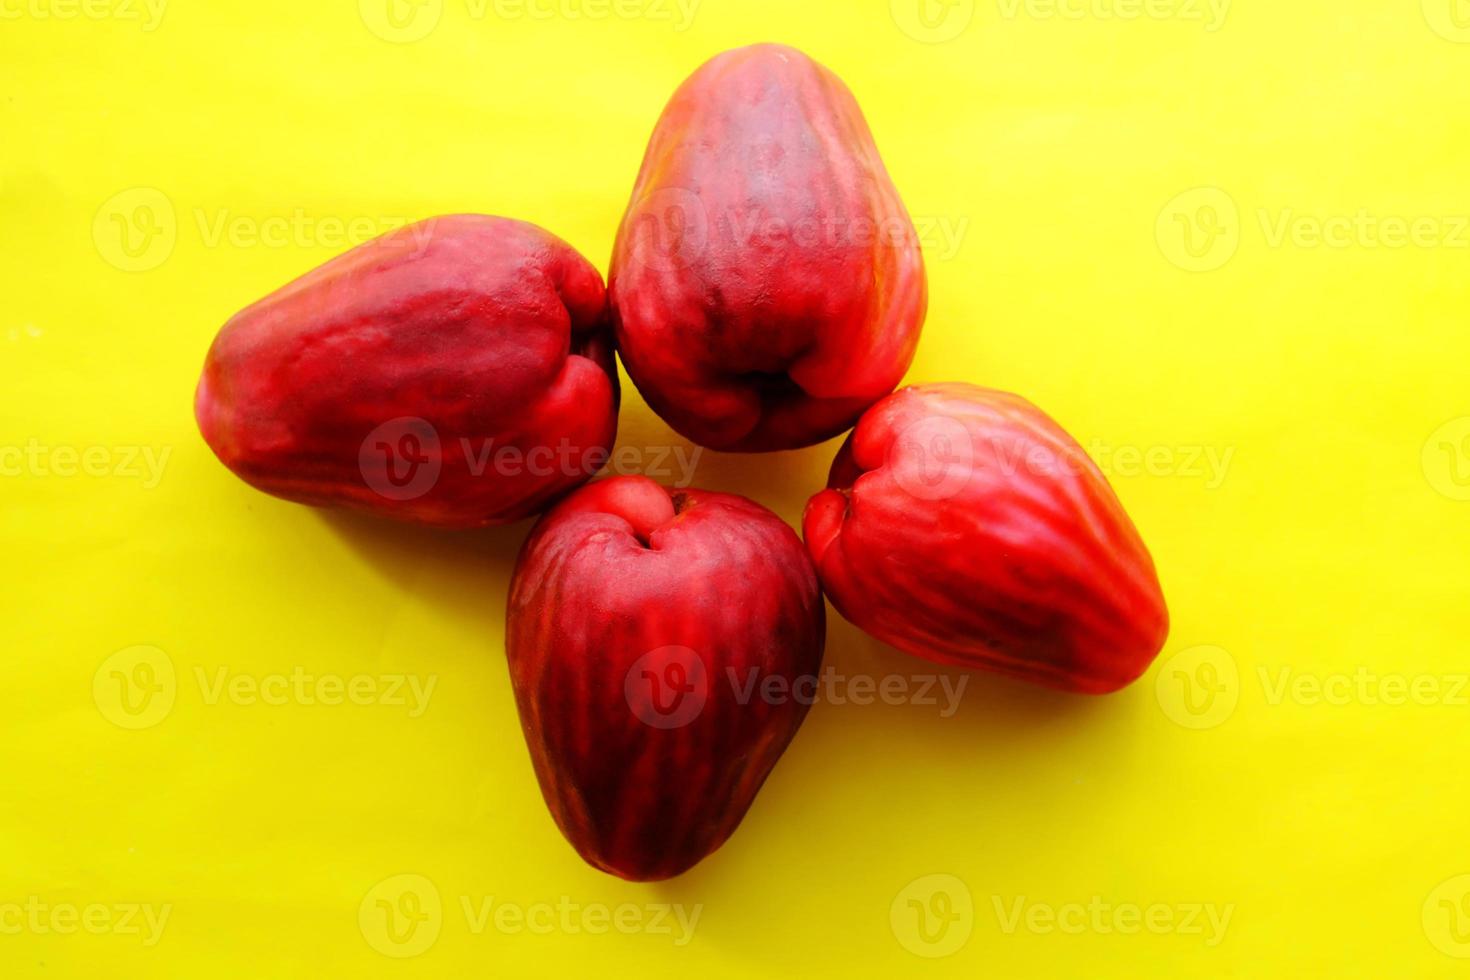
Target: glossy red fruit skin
x=964 y=526
x=646 y=770
x=492 y=332
x=767 y=283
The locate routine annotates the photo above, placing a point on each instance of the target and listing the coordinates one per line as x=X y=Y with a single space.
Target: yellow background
x=1135 y=198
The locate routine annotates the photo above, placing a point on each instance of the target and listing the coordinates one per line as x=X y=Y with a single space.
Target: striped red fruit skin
x=963 y=525
x=646 y=770
x=767 y=283
x=492 y=331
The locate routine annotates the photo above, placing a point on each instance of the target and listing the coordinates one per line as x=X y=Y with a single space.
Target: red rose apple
x=965 y=526
x=767 y=283
x=457 y=372
x=642 y=626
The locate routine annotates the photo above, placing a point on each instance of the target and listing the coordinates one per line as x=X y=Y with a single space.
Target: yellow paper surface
x=1225 y=245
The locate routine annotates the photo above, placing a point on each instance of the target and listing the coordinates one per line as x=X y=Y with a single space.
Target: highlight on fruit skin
x=963 y=525
x=767 y=283
x=457 y=372
x=643 y=626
